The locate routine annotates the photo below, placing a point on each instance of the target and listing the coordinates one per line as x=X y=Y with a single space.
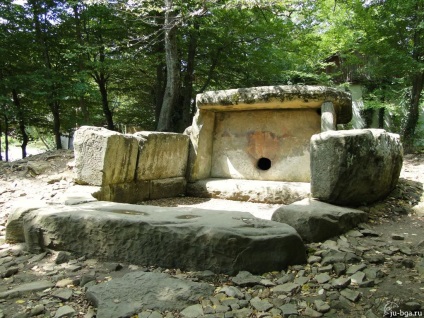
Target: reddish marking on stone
x=263 y=144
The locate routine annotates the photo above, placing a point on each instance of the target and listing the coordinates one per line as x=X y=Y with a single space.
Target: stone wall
x=131 y=168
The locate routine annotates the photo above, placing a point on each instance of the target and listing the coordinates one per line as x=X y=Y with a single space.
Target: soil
x=46 y=176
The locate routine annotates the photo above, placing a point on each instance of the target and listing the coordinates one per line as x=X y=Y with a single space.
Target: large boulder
x=186 y=238
x=354 y=167
x=317 y=221
x=104 y=157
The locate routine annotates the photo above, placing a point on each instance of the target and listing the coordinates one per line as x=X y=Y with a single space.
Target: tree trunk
x=6 y=137
x=381 y=112
x=54 y=108
x=21 y=122
x=78 y=34
x=101 y=81
x=52 y=100
x=413 y=112
x=159 y=89
x=188 y=80
x=1 y=157
x=171 y=95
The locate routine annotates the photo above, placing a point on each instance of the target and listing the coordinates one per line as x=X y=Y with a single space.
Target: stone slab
x=27 y=288
x=317 y=221
x=250 y=190
x=161 y=155
x=278 y=97
x=354 y=167
x=186 y=238
x=137 y=291
x=104 y=157
x=167 y=188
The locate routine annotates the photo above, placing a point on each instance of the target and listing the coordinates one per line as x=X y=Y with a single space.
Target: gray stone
x=244 y=278
x=63 y=257
x=321 y=306
x=192 y=311
x=374 y=258
x=311 y=313
x=126 y=296
x=332 y=257
x=37 y=310
x=186 y=238
x=339 y=268
x=249 y=190
x=357 y=278
x=398 y=237
x=314 y=259
x=352 y=295
x=104 y=157
x=63 y=294
x=317 y=221
x=232 y=291
x=65 y=311
x=161 y=155
x=355 y=268
x=325 y=269
x=301 y=280
x=322 y=278
x=420 y=267
x=285 y=279
x=260 y=305
x=354 y=167
x=8 y=272
x=289 y=309
x=287 y=288
x=341 y=282
x=242 y=313
x=86 y=279
x=27 y=288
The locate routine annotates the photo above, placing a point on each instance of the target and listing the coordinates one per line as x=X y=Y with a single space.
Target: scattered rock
x=65 y=311
x=244 y=278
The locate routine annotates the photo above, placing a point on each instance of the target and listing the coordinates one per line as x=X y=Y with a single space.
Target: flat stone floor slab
x=250 y=190
x=186 y=238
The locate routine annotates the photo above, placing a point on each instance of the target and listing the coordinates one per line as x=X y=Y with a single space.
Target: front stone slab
x=186 y=238
x=261 y=133
x=250 y=190
x=317 y=221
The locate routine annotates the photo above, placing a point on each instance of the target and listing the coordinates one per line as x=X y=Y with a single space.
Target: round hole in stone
x=264 y=163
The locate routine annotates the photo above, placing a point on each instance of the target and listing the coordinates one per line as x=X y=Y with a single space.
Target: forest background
x=138 y=64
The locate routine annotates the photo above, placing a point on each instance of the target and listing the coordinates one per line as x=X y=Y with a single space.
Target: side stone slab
x=186 y=238
x=104 y=157
x=354 y=167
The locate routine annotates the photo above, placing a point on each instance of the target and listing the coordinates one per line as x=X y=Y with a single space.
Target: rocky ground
x=372 y=271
